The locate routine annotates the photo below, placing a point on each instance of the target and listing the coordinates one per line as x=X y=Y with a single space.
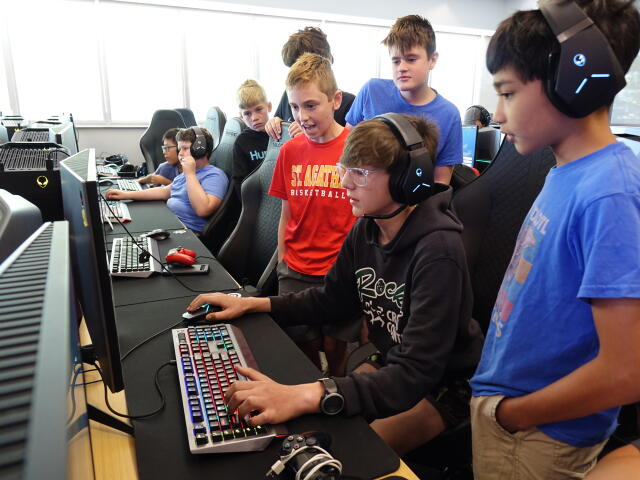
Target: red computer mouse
x=181 y=256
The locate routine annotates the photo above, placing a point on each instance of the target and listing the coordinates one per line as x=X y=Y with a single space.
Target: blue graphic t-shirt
x=580 y=240
x=214 y=182
x=379 y=96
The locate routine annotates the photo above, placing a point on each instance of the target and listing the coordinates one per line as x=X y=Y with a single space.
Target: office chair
x=215 y=124
x=151 y=139
x=188 y=117
x=250 y=253
x=224 y=220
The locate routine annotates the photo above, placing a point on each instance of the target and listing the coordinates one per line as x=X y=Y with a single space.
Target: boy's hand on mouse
x=116 y=195
x=232 y=307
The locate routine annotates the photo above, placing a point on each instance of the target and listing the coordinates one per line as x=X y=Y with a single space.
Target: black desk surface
x=146 y=216
x=127 y=291
x=161 y=445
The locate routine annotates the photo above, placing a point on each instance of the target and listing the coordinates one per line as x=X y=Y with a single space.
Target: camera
x=305 y=456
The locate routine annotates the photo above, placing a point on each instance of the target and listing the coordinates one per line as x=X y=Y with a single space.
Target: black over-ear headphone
x=586 y=74
x=411 y=175
x=199 y=146
x=477 y=112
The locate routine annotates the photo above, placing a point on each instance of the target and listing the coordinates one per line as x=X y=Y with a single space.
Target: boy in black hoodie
x=402 y=266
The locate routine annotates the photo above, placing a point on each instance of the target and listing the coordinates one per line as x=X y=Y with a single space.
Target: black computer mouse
x=105 y=182
x=159 y=234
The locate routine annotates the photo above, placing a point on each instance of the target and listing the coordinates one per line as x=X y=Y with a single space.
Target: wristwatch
x=332 y=402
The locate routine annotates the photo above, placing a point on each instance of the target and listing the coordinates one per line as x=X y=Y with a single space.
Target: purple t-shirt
x=167 y=171
x=214 y=182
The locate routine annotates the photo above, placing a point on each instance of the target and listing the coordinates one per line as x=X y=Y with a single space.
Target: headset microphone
x=388 y=215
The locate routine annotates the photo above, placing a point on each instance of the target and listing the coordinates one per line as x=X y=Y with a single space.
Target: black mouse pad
x=161 y=443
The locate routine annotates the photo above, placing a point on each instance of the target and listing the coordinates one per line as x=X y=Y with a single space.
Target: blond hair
x=313 y=68
x=411 y=31
x=373 y=143
x=250 y=93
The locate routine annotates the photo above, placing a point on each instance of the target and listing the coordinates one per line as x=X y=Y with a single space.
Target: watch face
x=332 y=404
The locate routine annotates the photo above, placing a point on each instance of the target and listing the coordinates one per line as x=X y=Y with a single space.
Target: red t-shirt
x=306 y=176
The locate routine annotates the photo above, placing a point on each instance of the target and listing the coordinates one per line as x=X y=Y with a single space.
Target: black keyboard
x=205 y=358
x=125 y=258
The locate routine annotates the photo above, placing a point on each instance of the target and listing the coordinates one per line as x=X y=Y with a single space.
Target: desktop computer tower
x=31 y=171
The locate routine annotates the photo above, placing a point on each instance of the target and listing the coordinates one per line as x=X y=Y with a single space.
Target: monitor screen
x=488 y=143
x=90 y=263
x=19 y=218
x=42 y=393
x=469 y=137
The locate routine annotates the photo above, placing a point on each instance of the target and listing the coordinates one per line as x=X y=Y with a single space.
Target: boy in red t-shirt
x=316 y=213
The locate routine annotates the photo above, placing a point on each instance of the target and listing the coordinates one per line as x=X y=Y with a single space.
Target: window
x=55 y=62
x=455 y=71
x=143 y=55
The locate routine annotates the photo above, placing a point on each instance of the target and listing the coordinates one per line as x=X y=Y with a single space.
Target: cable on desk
x=143 y=415
x=163 y=265
x=149 y=338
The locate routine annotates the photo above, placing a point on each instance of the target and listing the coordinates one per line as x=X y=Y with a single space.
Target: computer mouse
x=200 y=313
x=159 y=234
x=105 y=182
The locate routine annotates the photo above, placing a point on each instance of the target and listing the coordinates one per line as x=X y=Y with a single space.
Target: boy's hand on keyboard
x=276 y=403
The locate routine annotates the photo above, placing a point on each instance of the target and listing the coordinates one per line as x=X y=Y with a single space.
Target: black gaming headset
x=477 y=112
x=411 y=175
x=586 y=74
x=199 y=146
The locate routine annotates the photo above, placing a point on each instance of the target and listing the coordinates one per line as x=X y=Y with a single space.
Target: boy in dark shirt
x=403 y=267
x=251 y=145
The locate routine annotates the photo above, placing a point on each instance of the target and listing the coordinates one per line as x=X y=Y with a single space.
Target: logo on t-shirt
x=370 y=289
x=531 y=234
x=316 y=181
x=257 y=155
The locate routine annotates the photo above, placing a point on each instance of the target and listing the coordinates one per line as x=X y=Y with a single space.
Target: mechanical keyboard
x=106 y=171
x=115 y=209
x=129 y=185
x=205 y=356
x=125 y=259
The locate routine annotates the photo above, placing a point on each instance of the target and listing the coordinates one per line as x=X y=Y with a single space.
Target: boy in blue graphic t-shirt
x=561 y=353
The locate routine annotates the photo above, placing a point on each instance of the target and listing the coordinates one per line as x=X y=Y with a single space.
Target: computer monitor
x=488 y=143
x=45 y=429
x=64 y=130
x=89 y=260
x=19 y=218
x=469 y=137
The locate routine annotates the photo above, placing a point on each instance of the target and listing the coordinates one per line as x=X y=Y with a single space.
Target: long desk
x=147 y=306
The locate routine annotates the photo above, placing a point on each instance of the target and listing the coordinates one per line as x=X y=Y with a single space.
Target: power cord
x=143 y=415
x=147 y=252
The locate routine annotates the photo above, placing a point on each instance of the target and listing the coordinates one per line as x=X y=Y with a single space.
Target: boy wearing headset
x=196 y=193
x=561 y=352
x=403 y=266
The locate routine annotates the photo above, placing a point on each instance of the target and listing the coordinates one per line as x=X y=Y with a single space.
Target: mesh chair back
x=492 y=208
x=215 y=122
x=188 y=117
x=151 y=139
x=222 y=223
x=250 y=248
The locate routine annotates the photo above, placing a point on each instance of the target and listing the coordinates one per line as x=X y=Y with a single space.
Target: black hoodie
x=416 y=295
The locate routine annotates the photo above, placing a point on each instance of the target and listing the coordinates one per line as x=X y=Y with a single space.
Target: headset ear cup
x=397 y=177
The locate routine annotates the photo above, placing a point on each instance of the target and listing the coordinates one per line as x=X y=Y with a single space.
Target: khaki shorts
x=525 y=455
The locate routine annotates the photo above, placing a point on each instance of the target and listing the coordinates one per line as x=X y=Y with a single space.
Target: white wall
x=107 y=141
